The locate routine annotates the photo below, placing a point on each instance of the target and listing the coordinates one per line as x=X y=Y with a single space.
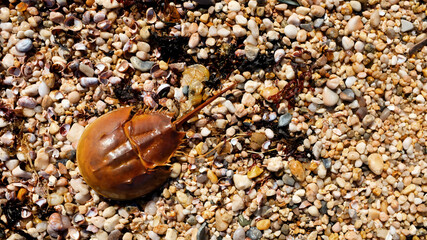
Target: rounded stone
x=74 y=97
x=140 y=65
x=376 y=163
x=234 y=6
x=291 y=31
x=317 y=11
x=297 y=170
x=263 y=224
x=354 y=24
x=239 y=234
x=24 y=45
x=242 y=182
x=253 y=233
x=330 y=98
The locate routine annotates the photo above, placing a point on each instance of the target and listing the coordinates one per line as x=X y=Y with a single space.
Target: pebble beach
x=323 y=136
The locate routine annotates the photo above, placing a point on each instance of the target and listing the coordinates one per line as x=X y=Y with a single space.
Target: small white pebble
x=205 y=132
x=269 y=133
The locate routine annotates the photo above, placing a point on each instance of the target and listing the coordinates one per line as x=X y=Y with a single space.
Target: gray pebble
x=202 y=233
x=239 y=234
x=24 y=45
x=288 y=180
x=324 y=208
x=384 y=115
x=369 y=48
x=202 y=178
x=285 y=229
x=253 y=233
x=285 y=119
x=308 y=26
x=347 y=95
x=263 y=211
x=115 y=235
x=327 y=163
x=185 y=90
x=192 y=220
x=318 y=22
x=406 y=26
x=143 y=66
x=243 y=221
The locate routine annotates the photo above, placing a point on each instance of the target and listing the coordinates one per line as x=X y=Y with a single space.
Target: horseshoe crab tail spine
x=178 y=123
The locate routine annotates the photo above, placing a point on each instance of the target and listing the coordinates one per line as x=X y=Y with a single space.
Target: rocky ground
x=324 y=136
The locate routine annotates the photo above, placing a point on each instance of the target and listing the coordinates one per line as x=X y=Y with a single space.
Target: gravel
x=325 y=127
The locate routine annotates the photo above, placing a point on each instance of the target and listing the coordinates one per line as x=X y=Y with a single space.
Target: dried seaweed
x=7 y=112
x=12 y=211
x=262 y=61
x=125 y=93
x=171 y=49
x=303 y=73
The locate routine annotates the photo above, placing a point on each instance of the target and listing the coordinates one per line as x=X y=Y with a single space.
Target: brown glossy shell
x=118 y=157
x=124 y=157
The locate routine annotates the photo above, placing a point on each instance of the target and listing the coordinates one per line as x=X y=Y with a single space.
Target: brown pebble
x=74 y=97
x=361 y=112
x=317 y=11
x=257 y=139
x=297 y=170
x=47 y=102
x=21 y=194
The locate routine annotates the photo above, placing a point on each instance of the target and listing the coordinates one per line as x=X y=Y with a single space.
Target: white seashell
x=278 y=54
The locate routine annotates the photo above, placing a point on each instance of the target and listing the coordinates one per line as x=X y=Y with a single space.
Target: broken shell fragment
x=58 y=67
x=114 y=80
x=156 y=72
x=72 y=23
x=130 y=22
x=105 y=75
x=27 y=69
x=179 y=67
x=123 y=66
x=163 y=90
x=80 y=47
x=278 y=55
x=14 y=71
x=88 y=81
x=151 y=16
x=100 y=68
x=64 y=129
x=104 y=25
